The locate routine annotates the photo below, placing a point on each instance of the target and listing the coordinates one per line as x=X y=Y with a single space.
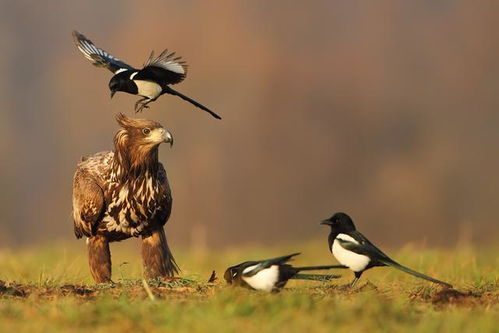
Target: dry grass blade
x=148 y=290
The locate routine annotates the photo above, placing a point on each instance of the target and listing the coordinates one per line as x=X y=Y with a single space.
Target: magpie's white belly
x=356 y=262
x=148 y=89
x=264 y=280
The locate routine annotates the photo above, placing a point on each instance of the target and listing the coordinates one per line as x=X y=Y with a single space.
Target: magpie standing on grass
x=271 y=275
x=356 y=252
x=150 y=82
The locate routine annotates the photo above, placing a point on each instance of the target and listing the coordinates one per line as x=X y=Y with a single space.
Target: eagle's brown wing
x=165 y=197
x=88 y=204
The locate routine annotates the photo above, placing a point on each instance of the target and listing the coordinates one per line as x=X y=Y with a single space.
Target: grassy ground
x=48 y=289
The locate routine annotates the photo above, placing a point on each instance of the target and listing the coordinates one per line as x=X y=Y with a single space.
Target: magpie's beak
x=112 y=93
x=228 y=276
x=326 y=222
x=168 y=137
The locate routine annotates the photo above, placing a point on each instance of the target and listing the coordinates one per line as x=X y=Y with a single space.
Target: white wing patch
x=264 y=280
x=98 y=56
x=356 y=262
x=167 y=61
x=347 y=238
x=88 y=49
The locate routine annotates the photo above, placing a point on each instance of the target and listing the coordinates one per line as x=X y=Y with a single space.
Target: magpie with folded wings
x=150 y=82
x=355 y=251
x=271 y=275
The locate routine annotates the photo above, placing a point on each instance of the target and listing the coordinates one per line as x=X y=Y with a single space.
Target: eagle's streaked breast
x=125 y=192
x=132 y=204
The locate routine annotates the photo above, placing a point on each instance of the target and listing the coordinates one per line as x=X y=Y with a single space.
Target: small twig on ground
x=148 y=290
x=213 y=277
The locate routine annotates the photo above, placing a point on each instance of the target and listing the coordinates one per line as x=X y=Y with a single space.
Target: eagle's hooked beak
x=168 y=137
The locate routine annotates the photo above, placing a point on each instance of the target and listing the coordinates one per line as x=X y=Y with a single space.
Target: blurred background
x=386 y=110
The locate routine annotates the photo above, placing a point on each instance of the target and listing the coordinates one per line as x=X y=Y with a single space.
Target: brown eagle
x=125 y=193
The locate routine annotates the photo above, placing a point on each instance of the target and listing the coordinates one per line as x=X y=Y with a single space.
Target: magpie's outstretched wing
x=263 y=264
x=164 y=69
x=97 y=56
x=365 y=247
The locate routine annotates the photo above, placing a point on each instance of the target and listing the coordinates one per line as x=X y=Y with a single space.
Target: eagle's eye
x=146 y=131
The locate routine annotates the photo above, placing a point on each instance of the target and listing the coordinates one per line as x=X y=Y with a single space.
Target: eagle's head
x=136 y=143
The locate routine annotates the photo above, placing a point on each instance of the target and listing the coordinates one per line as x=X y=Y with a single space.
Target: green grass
x=49 y=289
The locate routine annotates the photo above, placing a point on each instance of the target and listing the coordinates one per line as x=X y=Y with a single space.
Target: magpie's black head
x=121 y=82
x=230 y=274
x=340 y=222
x=114 y=85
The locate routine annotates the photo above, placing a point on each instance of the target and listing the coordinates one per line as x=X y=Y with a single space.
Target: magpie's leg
x=351 y=284
x=357 y=277
x=144 y=105
x=140 y=104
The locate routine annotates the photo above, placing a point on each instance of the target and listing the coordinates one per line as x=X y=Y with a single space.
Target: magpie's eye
x=146 y=131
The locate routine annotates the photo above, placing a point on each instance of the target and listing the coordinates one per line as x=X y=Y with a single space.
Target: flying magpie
x=355 y=251
x=150 y=82
x=271 y=275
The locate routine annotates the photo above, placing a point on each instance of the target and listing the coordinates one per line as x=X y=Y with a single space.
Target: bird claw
x=140 y=105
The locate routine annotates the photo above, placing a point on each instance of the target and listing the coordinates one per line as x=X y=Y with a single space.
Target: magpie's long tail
x=318 y=268
x=410 y=271
x=170 y=91
x=315 y=277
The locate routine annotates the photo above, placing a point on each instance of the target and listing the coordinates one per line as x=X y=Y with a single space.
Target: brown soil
x=160 y=289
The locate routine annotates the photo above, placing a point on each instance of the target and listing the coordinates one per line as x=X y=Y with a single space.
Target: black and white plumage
x=271 y=275
x=355 y=251
x=150 y=82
